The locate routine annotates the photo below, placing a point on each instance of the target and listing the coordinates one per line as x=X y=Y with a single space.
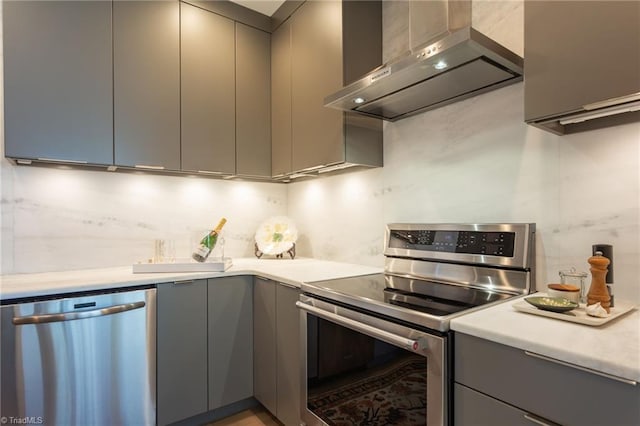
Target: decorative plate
x=553 y=304
x=276 y=235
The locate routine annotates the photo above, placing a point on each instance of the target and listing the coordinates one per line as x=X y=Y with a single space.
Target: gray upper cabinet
x=281 y=100
x=225 y=95
x=253 y=101
x=316 y=71
x=230 y=340
x=321 y=47
x=182 y=350
x=208 y=91
x=147 y=83
x=578 y=54
x=58 y=81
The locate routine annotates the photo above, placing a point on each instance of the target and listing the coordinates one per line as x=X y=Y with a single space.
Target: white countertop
x=293 y=272
x=612 y=348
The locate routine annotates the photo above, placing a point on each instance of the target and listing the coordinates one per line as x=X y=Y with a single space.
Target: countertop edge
x=500 y=323
x=22 y=286
x=514 y=335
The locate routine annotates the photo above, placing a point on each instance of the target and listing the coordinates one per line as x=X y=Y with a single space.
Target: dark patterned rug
x=395 y=394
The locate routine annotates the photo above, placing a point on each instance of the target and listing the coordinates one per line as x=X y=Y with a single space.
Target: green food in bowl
x=553 y=304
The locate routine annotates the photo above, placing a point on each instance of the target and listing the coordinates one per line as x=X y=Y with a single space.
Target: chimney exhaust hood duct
x=457 y=64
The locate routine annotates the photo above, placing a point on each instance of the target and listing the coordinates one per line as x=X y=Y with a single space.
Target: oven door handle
x=415 y=345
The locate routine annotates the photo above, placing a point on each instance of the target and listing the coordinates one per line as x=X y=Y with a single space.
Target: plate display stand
x=291 y=252
x=275 y=237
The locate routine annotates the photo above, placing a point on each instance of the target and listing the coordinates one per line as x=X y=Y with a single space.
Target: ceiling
x=266 y=7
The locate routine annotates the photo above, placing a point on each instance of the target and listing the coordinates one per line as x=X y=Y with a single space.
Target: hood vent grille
x=466 y=80
x=460 y=64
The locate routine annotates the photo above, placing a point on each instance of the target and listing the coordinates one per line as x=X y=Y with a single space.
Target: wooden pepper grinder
x=598 y=289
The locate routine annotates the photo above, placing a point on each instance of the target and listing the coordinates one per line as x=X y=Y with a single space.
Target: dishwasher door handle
x=69 y=316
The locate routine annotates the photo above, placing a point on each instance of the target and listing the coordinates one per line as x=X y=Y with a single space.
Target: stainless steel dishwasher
x=84 y=360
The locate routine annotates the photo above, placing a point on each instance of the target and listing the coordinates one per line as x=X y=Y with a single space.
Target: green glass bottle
x=208 y=243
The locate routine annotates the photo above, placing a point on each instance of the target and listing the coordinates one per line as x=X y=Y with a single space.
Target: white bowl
x=574 y=296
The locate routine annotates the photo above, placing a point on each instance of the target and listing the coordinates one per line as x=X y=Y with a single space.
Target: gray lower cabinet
x=146 y=72
x=205 y=346
x=277 y=349
x=264 y=343
x=58 y=81
x=208 y=91
x=230 y=328
x=497 y=384
x=182 y=350
x=288 y=355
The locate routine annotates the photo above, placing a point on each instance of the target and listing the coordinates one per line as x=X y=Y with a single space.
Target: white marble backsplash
x=473 y=161
x=58 y=219
x=476 y=161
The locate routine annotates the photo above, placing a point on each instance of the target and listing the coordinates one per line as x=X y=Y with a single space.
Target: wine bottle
x=208 y=243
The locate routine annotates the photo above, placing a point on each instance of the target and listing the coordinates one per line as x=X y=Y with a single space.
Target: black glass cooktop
x=411 y=299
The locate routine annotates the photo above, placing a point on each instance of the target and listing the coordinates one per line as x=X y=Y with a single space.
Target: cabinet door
x=264 y=343
x=562 y=41
x=537 y=385
x=288 y=355
x=281 y=100
x=182 y=350
x=230 y=340
x=475 y=408
x=208 y=91
x=58 y=80
x=146 y=83
x=253 y=101
x=316 y=64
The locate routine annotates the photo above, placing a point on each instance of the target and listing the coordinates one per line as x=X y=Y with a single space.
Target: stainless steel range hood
x=459 y=64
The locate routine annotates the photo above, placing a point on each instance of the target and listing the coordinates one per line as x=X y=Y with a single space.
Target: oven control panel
x=449 y=241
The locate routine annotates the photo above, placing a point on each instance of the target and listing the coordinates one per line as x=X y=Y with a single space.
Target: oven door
x=361 y=369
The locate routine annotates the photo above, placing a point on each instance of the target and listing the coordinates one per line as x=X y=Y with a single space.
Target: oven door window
x=353 y=378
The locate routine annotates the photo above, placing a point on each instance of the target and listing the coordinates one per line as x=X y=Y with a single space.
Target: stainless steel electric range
x=377 y=347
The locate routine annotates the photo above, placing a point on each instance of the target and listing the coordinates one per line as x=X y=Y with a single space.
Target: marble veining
x=58 y=219
x=476 y=161
x=472 y=161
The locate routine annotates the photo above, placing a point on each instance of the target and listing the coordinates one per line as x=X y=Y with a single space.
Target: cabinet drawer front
x=559 y=393
x=475 y=408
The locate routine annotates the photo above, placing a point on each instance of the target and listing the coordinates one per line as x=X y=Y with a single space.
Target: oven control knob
x=419 y=345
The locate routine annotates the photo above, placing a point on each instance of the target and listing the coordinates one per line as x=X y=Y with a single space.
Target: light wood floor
x=253 y=417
